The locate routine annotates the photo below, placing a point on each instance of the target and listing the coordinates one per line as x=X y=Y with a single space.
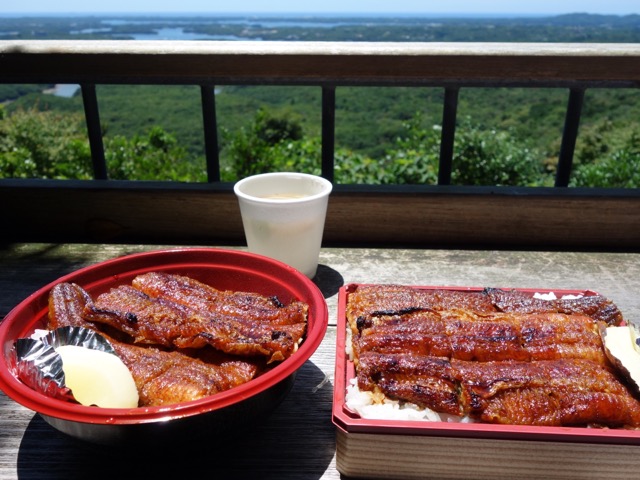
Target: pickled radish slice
x=97 y=378
x=620 y=347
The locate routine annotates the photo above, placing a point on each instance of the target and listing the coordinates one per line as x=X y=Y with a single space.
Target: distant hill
x=575 y=27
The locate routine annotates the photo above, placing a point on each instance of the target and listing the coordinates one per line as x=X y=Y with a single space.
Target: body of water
x=264 y=22
x=64 y=90
x=178 y=33
x=177 y=29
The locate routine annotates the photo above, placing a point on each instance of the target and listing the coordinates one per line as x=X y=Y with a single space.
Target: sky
x=425 y=7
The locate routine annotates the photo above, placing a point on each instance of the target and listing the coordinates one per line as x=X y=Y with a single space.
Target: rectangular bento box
x=369 y=448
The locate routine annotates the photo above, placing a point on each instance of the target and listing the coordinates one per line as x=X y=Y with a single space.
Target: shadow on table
x=328 y=280
x=296 y=441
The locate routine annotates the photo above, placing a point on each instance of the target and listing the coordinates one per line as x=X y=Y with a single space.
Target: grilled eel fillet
x=243 y=306
x=161 y=377
x=181 y=312
x=465 y=335
x=565 y=392
x=497 y=356
x=378 y=300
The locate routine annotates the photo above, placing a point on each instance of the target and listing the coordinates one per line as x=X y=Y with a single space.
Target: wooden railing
x=207 y=213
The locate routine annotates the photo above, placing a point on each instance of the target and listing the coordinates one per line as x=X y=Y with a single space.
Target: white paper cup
x=283 y=215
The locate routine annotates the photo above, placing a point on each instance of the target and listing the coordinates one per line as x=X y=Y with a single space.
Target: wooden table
x=298 y=439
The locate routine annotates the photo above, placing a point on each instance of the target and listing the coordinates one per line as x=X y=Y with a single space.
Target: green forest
x=505 y=136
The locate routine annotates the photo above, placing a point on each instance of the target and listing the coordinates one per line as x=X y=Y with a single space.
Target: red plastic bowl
x=220 y=413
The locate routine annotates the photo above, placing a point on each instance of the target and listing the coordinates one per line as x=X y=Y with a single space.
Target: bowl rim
x=247 y=262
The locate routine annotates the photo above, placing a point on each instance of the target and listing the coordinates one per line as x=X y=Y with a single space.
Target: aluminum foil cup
x=38 y=365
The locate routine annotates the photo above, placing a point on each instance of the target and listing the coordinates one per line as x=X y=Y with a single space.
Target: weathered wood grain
x=66 y=61
x=166 y=212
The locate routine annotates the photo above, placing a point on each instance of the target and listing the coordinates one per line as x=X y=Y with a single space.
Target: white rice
x=367 y=406
x=552 y=296
x=38 y=334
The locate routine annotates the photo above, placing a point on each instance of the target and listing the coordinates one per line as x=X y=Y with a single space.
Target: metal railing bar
x=359 y=189
x=94 y=130
x=328 y=131
x=569 y=136
x=449 y=66
x=447 y=139
x=210 y=124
